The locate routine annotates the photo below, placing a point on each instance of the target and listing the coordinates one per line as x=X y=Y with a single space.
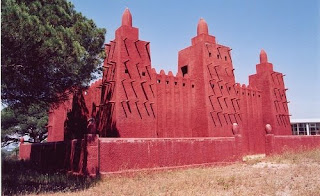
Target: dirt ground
x=288 y=174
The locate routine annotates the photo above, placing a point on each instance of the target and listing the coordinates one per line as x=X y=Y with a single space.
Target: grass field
x=288 y=174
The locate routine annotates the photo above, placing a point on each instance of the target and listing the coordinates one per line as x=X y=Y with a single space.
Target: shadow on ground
x=22 y=177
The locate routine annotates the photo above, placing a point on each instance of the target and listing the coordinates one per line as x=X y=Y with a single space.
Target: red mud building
x=139 y=118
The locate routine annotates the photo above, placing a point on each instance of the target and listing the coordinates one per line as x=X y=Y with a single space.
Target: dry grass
x=288 y=174
x=20 y=178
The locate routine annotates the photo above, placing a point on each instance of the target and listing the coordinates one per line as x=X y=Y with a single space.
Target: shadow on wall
x=77 y=156
x=112 y=131
x=106 y=125
x=76 y=122
x=54 y=156
x=69 y=156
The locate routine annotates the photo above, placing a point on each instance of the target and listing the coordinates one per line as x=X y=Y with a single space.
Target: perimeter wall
x=93 y=155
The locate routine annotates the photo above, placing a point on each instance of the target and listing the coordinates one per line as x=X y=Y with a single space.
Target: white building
x=305 y=126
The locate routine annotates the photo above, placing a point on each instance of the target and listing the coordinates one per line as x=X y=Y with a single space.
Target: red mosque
x=198 y=116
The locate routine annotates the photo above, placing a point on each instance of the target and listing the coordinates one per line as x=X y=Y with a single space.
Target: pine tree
x=17 y=122
x=47 y=49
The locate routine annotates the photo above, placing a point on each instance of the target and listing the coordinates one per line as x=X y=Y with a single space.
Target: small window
x=248 y=94
x=192 y=86
x=221 y=87
x=184 y=70
x=175 y=83
x=126 y=71
x=237 y=92
x=218 y=56
x=158 y=81
x=229 y=88
x=143 y=73
x=183 y=84
x=212 y=85
x=167 y=82
x=242 y=93
x=258 y=95
x=225 y=58
x=209 y=54
x=253 y=94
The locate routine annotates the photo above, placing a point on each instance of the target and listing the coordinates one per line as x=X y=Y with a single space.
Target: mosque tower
x=209 y=64
x=274 y=100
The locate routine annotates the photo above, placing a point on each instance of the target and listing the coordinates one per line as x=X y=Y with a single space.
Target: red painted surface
x=202 y=100
x=106 y=155
x=278 y=144
x=275 y=104
x=194 y=108
x=24 y=151
x=139 y=153
x=92 y=153
x=57 y=117
x=78 y=156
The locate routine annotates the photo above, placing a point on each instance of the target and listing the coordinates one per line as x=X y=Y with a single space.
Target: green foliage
x=21 y=121
x=47 y=48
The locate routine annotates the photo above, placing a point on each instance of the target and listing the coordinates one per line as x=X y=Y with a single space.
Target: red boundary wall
x=93 y=155
x=51 y=155
x=140 y=153
x=276 y=144
x=77 y=156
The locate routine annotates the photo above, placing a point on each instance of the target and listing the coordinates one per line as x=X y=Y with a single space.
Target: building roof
x=305 y=120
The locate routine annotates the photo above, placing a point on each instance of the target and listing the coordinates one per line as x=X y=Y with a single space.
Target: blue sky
x=289 y=31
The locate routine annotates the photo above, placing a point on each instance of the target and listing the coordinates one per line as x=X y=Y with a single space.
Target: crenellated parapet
x=175 y=97
x=250 y=101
